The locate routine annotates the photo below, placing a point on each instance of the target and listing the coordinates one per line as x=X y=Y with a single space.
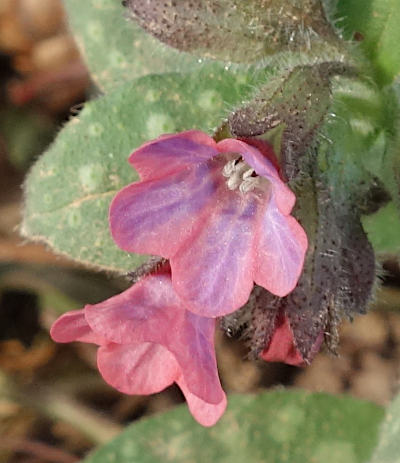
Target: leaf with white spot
x=117 y=50
x=278 y=427
x=69 y=189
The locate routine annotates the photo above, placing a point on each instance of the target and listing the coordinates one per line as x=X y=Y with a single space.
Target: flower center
x=240 y=175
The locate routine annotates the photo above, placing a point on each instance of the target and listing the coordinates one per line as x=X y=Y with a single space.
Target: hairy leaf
x=116 y=50
x=233 y=30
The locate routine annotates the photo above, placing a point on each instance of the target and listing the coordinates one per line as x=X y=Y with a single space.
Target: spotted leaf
x=232 y=30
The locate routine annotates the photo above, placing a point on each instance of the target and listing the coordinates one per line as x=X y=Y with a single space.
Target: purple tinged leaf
x=232 y=30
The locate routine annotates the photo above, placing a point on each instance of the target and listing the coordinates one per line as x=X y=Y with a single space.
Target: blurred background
x=54 y=406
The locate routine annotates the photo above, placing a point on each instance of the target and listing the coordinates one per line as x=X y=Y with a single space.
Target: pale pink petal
x=193 y=347
x=284 y=197
x=143 y=308
x=147 y=368
x=150 y=311
x=72 y=326
x=156 y=216
x=206 y=413
x=213 y=270
x=281 y=247
x=281 y=347
x=171 y=153
x=143 y=368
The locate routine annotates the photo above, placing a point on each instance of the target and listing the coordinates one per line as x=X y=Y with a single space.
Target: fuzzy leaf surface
x=117 y=50
x=69 y=189
x=278 y=427
x=232 y=30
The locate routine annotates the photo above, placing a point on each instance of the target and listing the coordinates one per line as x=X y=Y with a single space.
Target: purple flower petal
x=171 y=153
x=156 y=216
x=215 y=233
x=281 y=247
x=285 y=198
x=213 y=271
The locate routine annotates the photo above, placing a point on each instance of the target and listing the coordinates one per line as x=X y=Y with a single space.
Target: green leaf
x=388 y=449
x=233 y=30
x=69 y=190
x=117 y=50
x=391 y=163
x=278 y=427
x=383 y=230
x=357 y=129
x=378 y=23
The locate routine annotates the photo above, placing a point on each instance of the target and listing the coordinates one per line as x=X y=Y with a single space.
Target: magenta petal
x=137 y=368
x=72 y=326
x=206 y=413
x=213 y=272
x=150 y=311
x=171 y=153
x=156 y=216
x=285 y=198
x=193 y=347
x=129 y=317
x=281 y=247
x=281 y=348
x=254 y=158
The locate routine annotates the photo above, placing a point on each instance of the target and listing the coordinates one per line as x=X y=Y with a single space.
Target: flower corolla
x=219 y=212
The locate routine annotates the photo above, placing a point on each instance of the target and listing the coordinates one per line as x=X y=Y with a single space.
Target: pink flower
x=282 y=348
x=147 y=341
x=219 y=212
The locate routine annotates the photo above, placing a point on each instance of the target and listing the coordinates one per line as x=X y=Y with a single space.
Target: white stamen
x=248 y=173
x=240 y=175
x=234 y=180
x=229 y=168
x=249 y=184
